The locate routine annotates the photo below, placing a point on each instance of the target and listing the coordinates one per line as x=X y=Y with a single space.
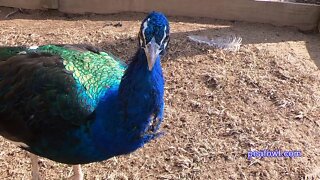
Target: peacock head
x=154 y=36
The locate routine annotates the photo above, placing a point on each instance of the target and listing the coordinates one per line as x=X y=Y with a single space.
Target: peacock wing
x=52 y=86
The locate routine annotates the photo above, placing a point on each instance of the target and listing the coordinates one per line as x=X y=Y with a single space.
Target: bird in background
x=77 y=104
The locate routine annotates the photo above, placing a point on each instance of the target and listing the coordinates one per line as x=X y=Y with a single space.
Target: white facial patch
x=33 y=47
x=165 y=45
x=157 y=49
x=145 y=26
x=22 y=53
x=164 y=35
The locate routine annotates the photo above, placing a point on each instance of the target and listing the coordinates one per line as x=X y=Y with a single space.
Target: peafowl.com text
x=277 y=154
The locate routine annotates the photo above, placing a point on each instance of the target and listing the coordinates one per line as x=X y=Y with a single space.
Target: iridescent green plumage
x=93 y=71
x=69 y=79
x=9 y=51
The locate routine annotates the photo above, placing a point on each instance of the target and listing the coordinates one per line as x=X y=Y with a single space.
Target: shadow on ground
x=259 y=36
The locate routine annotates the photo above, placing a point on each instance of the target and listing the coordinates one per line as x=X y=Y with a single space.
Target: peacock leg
x=35 y=167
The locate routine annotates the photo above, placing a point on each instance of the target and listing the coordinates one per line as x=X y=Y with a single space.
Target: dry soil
x=219 y=105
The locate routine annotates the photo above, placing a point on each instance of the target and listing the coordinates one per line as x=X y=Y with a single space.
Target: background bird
x=76 y=104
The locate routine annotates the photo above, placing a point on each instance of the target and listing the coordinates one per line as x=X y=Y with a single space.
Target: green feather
x=93 y=71
x=7 y=52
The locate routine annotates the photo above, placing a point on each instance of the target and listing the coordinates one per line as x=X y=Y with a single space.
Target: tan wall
x=304 y=17
x=31 y=4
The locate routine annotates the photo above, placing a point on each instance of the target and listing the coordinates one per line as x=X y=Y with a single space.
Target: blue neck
x=136 y=112
x=141 y=92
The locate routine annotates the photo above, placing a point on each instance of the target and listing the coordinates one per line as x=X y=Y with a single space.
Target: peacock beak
x=152 y=51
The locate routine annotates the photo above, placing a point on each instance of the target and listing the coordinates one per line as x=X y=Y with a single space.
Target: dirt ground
x=219 y=105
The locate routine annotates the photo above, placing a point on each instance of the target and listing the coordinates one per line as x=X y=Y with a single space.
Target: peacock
x=78 y=104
